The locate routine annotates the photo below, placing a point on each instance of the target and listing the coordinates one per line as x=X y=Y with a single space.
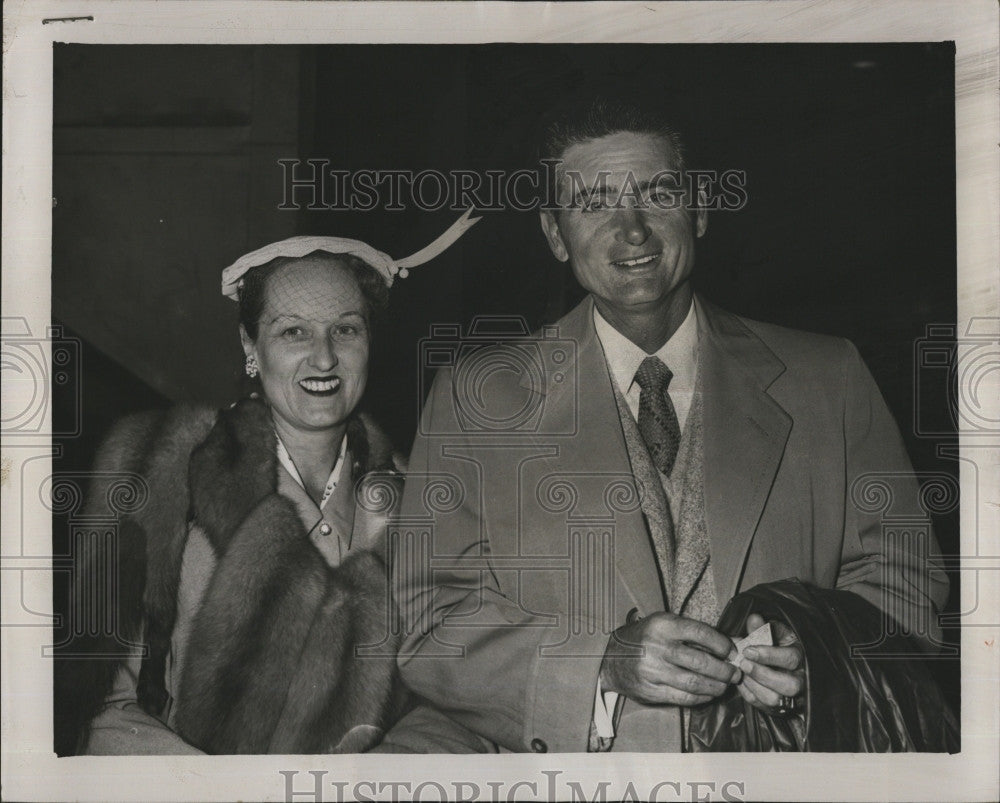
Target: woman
x=256 y=570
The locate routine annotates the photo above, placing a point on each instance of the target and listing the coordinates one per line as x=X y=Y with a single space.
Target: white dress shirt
x=680 y=355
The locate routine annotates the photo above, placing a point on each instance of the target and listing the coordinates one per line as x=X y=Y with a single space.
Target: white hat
x=301 y=246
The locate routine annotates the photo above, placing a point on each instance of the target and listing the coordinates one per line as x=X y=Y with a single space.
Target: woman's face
x=312 y=343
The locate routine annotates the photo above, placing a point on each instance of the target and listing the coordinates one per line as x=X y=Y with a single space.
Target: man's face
x=630 y=247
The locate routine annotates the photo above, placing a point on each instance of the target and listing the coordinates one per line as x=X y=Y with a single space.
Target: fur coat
x=272 y=664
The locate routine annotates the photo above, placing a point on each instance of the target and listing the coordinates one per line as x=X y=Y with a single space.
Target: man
x=613 y=484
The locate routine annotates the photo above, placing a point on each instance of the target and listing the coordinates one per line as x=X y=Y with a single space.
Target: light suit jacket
x=524 y=544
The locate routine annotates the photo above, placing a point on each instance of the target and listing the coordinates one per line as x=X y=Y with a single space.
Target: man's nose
x=324 y=355
x=632 y=227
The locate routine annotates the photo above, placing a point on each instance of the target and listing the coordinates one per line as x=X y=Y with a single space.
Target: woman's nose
x=324 y=355
x=632 y=227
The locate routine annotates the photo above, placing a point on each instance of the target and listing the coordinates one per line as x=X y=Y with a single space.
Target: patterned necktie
x=658 y=423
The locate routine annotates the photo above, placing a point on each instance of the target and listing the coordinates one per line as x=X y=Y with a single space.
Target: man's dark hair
x=253 y=293
x=582 y=119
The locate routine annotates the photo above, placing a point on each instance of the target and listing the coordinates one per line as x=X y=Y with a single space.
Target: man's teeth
x=631 y=263
x=319 y=386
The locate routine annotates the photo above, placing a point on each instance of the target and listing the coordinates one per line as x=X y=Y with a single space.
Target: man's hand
x=770 y=673
x=668 y=659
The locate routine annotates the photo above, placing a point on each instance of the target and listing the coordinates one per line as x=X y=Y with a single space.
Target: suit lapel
x=599 y=447
x=745 y=431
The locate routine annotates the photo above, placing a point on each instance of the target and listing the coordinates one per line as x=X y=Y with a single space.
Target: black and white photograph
x=500 y=401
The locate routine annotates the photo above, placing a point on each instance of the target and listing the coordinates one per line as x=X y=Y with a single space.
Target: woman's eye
x=347 y=330
x=293 y=332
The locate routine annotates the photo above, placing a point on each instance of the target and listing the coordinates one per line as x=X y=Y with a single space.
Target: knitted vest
x=674 y=508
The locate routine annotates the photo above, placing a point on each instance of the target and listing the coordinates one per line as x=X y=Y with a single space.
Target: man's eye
x=663 y=198
x=595 y=205
x=293 y=332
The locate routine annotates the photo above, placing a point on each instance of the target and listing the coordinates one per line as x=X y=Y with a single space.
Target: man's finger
x=767 y=698
x=749 y=696
x=698 y=633
x=789 y=658
x=783 y=634
x=657 y=693
x=754 y=621
x=676 y=697
x=699 y=661
x=691 y=682
x=776 y=680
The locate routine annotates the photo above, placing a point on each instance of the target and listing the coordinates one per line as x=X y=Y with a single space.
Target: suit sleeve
x=897 y=569
x=426 y=729
x=469 y=647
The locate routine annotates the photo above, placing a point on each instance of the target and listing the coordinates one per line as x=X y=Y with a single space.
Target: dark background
x=165 y=171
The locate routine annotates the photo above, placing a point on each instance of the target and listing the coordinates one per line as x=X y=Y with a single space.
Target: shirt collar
x=331 y=484
x=679 y=353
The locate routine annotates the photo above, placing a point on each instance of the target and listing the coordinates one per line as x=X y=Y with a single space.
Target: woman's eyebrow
x=288 y=315
x=295 y=317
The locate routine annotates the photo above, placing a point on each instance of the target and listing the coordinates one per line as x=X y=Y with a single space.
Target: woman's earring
x=252 y=368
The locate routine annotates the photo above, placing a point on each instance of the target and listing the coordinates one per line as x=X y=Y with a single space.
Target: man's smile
x=637 y=262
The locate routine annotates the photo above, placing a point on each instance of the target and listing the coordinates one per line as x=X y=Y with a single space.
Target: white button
x=325 y=529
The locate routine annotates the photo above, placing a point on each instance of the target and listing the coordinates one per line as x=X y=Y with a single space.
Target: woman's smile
x=320 y=386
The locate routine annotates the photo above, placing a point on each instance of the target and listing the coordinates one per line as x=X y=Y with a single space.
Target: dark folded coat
x=273 y=661
x=880 y=698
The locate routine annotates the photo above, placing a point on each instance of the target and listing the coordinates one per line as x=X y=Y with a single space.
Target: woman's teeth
x=320 y=386
x=632 y=263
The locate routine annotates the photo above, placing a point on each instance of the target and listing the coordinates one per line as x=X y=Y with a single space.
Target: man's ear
x=701 y=213
x=550 y=228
